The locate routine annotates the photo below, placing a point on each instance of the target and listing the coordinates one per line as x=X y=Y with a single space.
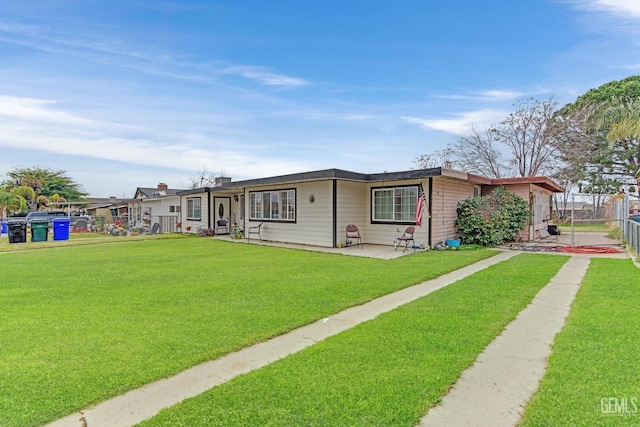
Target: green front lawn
x=385 y=372
x=82 y=323
x=593 y=375
x=586 y=227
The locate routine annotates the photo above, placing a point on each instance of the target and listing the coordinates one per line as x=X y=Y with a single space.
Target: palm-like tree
x=11 y=202
x=619 y=120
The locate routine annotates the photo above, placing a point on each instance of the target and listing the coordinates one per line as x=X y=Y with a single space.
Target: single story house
x=155 y=208
x=315 y=207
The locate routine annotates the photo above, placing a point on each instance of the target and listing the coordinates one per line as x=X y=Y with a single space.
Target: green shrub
x=492 y=220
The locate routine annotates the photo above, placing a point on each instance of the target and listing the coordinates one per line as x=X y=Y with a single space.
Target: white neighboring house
x=156 y=209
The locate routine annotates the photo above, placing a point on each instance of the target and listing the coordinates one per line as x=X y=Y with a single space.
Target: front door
x=222 y=212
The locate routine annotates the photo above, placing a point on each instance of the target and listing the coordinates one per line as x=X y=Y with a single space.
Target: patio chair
x=255 y=230
x=406 y=237
x=221 y=224
x=353 y=236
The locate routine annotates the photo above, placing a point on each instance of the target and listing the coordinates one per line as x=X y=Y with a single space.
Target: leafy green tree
x=39 y=185
x=603 y=135
x=492 y=220
x=10 y=203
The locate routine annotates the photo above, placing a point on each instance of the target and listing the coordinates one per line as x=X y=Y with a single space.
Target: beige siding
x=350 y=209
x=445 y=197
x=314 y=219
x=204 y=213
x=385 y=234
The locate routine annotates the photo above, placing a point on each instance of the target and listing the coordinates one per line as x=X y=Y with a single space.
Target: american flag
x=420 y=205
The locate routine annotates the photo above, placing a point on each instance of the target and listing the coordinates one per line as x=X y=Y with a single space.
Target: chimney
x=221 y=180
x=162 y=186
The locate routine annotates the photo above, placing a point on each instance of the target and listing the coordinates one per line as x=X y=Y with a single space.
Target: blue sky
x=126 y=94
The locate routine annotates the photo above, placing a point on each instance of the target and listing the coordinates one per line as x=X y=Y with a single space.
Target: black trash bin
x=17 y=230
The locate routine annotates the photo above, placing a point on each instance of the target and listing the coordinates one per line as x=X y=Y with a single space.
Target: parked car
x=80 y=221
x=43 y=215
x=77 y=219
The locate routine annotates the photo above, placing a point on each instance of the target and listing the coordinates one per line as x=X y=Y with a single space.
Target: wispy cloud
x=28 y=109
x=142 y=58
x=33 y=124
x=459 y=123
x=264 y=76
x=621 y=8
x=497 y=95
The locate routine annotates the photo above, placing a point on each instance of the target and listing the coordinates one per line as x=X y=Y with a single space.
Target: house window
x=273 y=205
x=477 y=191
x=193 y=208
x=394 y=204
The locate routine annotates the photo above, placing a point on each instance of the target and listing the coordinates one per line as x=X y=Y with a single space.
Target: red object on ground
x=589 y=250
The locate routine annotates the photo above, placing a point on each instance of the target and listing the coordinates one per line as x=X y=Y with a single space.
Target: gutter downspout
x=429 y=211
x=209 y=208
x=334 y=198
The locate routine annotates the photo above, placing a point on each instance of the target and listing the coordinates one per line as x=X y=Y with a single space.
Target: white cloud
x=497 y=95
x=32 y=124
x=460 y=123
x=36 y=109
x=623 y=8
x=264 y=76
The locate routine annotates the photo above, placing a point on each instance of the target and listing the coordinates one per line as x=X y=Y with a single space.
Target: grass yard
x=586 y=227
x=594 y=372
x=385 y=372
x=82 y=323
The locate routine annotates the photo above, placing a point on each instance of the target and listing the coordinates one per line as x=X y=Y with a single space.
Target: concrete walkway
x=145 y=402
x=495 y=389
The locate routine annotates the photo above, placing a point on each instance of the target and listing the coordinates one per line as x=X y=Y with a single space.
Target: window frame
x=191 y=209
x=274 y=211
x=406 y=211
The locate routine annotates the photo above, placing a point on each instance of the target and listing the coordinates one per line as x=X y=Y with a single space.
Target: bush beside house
x=492 y=220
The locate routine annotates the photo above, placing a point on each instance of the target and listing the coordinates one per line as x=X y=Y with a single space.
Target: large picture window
x=394 y=204
x=193 y=208
x=274 y=205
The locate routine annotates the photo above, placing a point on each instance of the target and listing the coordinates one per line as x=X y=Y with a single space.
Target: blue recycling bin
x=61 y=227
x=4 y=228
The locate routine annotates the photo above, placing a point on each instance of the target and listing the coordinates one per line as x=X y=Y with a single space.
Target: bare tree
x=439 y=158
x=203 y=179
x=523 y=144
x=477 y=153
x=525 y=134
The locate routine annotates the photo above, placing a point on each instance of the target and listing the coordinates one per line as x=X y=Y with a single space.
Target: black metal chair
x=352 y=236
x=406 y=237
x=255 y=230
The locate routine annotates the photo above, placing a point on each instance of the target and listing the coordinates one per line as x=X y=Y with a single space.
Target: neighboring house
x=108 y=210
x=156 y=209
x=315 y=207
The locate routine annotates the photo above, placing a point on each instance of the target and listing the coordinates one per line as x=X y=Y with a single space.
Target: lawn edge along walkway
x=138 y=405
x=496 y=388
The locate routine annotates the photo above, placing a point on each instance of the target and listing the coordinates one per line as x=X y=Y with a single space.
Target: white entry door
x=222 y=212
